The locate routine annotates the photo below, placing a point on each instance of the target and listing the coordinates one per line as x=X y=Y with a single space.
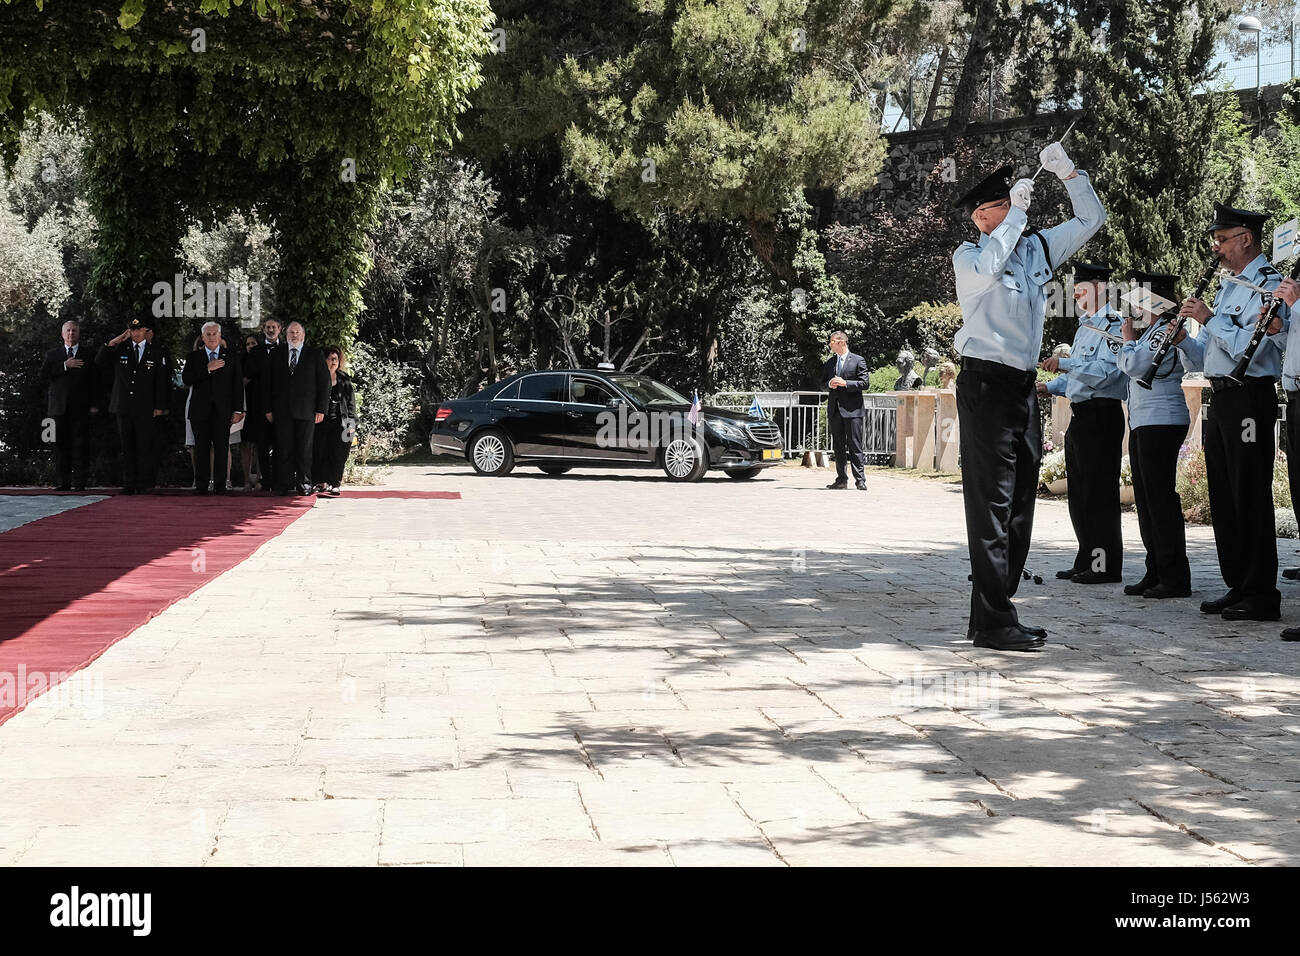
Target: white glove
x=1054 y=160
x=1021 y=193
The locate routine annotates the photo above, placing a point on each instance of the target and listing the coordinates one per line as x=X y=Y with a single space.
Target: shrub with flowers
x=1125 y=473
x=1192 y=485
x=1052 y=468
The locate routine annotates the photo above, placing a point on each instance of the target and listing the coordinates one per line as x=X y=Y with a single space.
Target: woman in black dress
x=333 y=438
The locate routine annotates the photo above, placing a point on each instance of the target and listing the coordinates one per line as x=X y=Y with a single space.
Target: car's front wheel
x=742 y=473
x=490 y=454
x=685 y=459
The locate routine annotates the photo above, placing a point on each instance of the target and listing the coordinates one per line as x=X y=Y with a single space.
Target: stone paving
x=614 y=669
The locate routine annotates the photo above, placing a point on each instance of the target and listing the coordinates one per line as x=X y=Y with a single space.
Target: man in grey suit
x=846 y=376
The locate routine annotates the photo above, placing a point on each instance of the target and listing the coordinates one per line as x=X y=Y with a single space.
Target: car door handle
x=512 y=408
x=574 y=414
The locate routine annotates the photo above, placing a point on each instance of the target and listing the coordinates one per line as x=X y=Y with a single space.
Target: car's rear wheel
x=742 y=473
x=555 y=469
x=490 y=454
x=684 y=459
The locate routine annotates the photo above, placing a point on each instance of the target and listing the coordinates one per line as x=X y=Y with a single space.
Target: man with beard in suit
x=845 y=374
x=295 y=393
x=139 y=396
x=216 y=403
x=71 y=381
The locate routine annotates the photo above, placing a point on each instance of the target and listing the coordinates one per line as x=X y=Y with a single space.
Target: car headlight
x=728 y=429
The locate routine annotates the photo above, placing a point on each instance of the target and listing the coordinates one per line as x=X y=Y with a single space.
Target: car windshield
x=646 y=391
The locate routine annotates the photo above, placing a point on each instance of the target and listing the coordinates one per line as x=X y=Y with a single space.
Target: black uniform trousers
x=266 y=456
x=1293 y=447
x=1001 y=449
x=329 y=453
x=1153 y=458
x=211 y=437
x=293 y=441
x=1094 y=447
x=846 y=441
x=71 y=448
x=139 y=435
x=1239 y=453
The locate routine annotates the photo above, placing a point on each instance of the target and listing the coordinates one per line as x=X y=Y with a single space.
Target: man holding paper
x=1001 y=280
x=1239 y=445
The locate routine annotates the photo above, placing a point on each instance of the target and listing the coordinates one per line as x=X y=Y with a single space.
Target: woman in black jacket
x=333 y=438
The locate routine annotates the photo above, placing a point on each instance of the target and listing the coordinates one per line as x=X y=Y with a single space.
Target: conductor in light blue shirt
x=1001 y=282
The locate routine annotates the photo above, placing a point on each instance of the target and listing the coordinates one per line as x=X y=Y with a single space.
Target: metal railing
x=801 y=416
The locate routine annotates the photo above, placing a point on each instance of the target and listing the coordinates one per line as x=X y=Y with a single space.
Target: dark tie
x=69 y=351
x=293 y=360
x=212 y=356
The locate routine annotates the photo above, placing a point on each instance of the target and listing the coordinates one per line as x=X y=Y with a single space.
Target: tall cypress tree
x=1161 y=144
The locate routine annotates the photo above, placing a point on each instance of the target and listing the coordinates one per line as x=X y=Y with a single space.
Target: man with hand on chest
x=216 y=403
x=71 y=379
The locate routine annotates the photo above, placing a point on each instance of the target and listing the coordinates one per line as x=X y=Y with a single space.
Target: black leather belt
x=998 y=371
x=1223 y=383
x=1089 y=404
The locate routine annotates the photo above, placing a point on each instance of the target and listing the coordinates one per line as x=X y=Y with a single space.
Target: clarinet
x=1211 y=267
x=1261 y=329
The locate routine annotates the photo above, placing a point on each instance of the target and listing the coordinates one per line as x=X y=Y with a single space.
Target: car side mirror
x=615 y=403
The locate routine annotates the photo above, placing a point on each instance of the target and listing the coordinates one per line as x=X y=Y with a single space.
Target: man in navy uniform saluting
x=139 y=396
x=1094 y=443
x=1239 y=447
x=1001 y=279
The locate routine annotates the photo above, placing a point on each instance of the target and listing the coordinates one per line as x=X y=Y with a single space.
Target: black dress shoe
x=837 y=485
x=1249 y=611
x=1096 y=577
x=128 y=491
x=1291 y=574
x=78 y=487
x=1162 y=591
x=1006 y=639
x=1039 y=632
x=1291 y=634
x=1067 y=573
x=1218 y=604
x=63 y=487
x=861 y=486
x=1141 y=587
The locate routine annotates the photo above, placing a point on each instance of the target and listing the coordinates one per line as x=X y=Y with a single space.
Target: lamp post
x=1252 y=25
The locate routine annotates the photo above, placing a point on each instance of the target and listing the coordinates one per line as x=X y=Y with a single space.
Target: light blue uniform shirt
x=1291 y=360
x=1164 y=403
x=1092 y=371
x=1236 y=312
x=1001 y=279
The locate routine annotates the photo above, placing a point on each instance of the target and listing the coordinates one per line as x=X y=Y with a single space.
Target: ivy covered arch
x=302 y=111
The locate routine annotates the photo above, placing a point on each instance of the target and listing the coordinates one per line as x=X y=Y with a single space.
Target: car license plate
x=770 y=454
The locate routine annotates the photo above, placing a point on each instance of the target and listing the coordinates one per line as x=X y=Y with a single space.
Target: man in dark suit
x=71 y=396
x=216 y=403
x=255 y=365
x=295 y=393
x=845 y=374
x=139 y=396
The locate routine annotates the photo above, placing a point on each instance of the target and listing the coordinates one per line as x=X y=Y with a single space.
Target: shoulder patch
x=1268 y=271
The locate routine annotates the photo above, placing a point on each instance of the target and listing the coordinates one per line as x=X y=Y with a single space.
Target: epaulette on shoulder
x=1266 y=271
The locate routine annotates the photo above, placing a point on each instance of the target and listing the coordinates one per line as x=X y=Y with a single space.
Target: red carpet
x=185 y=493
x=74 y=584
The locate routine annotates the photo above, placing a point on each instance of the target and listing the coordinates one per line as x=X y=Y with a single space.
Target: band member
x=1239 y=445
x=139 y=397
x=216 y=402
x=1094 y=442
x=1158 y=421
x=1289 y=292
x=257 y=362
x=1000 y=287
x=71 y=379
x=846 y=377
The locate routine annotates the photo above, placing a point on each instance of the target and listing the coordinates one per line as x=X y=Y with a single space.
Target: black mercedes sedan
x=565 y=418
